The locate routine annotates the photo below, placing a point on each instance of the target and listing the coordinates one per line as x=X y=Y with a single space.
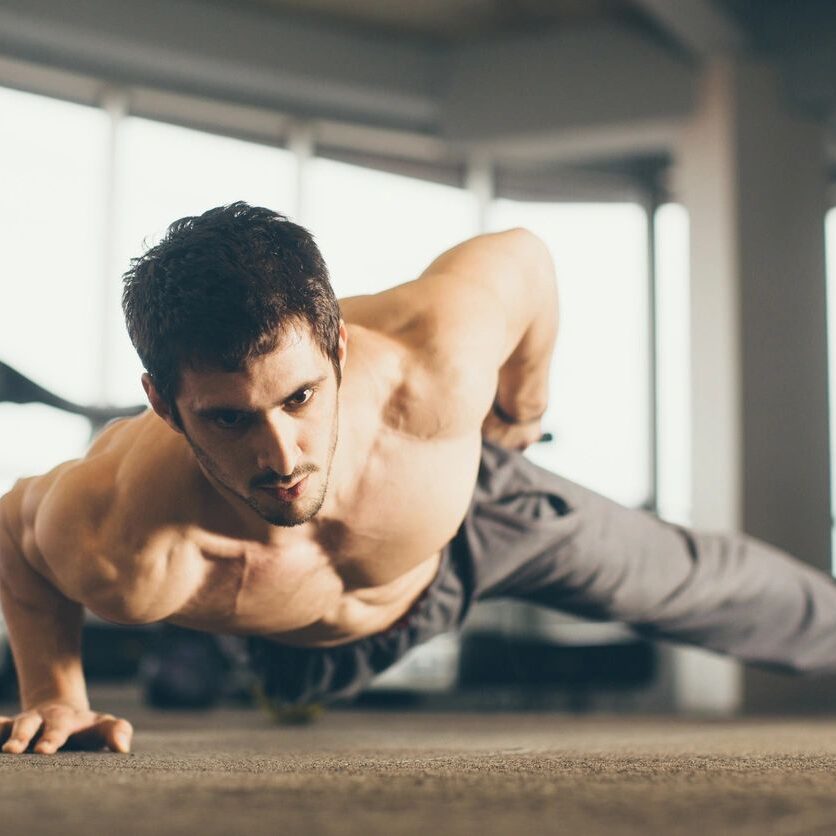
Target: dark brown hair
x=220 y=289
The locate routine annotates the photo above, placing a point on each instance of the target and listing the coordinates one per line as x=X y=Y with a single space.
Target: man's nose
x=278 y=449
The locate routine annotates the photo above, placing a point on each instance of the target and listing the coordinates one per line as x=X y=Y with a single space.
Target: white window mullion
x=115 y=104
x=301 y=145
x=480 y=181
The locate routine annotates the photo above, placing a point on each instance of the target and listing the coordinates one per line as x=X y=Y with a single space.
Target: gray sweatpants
x=532 y=535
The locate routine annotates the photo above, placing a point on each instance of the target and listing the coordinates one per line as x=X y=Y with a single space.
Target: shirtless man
x=340 y=481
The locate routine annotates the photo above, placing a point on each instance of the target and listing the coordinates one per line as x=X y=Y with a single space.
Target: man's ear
x=157 y=403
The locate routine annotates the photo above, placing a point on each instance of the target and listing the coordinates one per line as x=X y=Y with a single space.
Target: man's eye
x=301 y=397
x=228 y=420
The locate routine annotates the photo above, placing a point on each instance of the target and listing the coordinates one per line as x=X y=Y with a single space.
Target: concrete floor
x=233 y=772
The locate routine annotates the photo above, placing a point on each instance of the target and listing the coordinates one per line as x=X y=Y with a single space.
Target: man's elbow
x=532 y=253
x=533 y=245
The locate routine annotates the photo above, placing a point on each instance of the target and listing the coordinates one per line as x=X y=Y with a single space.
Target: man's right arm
x=44 y=628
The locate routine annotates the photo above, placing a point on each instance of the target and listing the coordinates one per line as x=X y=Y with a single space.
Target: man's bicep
x=466 y=320
x=38 y=611
x=11 y=550
x=455 y=334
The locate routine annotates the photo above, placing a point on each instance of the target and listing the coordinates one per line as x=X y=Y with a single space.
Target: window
x=62 y=258
x=51 y=268
x=377 y=230
x=79 y=201
x=600 y=399
x=165 y=172
x=673 y=359
x=60 y=280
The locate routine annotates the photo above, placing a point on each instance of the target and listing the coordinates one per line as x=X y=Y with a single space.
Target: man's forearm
x=44 y=630
x=523 y=388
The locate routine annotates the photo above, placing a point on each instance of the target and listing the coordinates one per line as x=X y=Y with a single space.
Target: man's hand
x=53 y=725
x=511 y=436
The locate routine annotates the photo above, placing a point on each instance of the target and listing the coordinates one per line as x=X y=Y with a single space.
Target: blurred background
x=677 y=156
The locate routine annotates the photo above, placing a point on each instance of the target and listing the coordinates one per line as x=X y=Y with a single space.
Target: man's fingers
x=107 y=731
x=55 y=727
x=119 y=734
x=115 y=733
x=23 y=730
x=54 y=736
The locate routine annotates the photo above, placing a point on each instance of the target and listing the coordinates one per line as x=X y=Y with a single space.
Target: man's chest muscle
x=358 y=574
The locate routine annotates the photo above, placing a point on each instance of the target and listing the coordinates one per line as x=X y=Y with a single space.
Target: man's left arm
x=522 y=396
x=483 y=318
x=501 y=288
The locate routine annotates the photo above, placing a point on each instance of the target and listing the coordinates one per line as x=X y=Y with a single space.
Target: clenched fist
x=511 y=436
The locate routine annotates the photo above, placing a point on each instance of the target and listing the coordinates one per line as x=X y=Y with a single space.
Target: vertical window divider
x=480 y=181
x=650 y=204
x=114 y=101
x=301 y=144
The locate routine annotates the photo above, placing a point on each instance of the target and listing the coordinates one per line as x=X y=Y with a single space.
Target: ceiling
x=763 y=25
x=525 y=82
x=799 y=36
x=454 y=20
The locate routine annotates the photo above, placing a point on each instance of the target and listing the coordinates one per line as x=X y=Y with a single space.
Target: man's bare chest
x=349 y=577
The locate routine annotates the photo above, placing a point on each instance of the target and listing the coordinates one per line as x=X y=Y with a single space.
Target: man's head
x=235 y=321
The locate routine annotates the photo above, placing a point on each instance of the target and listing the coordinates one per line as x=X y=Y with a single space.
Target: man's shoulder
x=62 y=516
x=78 y=495
x=66 y=517
x=446 y=374
x=45 y=520
x=103 y=528
x=430 y=315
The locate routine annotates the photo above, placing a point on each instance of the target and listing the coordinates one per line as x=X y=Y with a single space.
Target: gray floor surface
x=352 y=772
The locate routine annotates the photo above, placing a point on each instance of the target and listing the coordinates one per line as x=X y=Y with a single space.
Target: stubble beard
x=288 y=514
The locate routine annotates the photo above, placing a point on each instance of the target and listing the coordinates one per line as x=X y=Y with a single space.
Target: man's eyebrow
x=213 y=409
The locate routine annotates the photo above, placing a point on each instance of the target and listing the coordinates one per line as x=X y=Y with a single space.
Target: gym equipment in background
x=17 y=388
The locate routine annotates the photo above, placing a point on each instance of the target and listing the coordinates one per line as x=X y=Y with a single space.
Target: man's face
x=267 y=434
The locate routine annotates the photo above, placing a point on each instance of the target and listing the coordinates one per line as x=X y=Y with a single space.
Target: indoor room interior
x=678 y=160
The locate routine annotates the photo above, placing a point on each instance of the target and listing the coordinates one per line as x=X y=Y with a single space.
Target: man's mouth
x=286 y=494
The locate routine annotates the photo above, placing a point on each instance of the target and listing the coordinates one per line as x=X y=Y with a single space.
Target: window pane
x=376 y=229
x=674 y=372
x=599 y=409
x=52 y=170
x=166 y=172
x=52 y=157
x=38 y=437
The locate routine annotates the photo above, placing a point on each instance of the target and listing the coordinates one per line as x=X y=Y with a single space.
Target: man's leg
x=534 y=535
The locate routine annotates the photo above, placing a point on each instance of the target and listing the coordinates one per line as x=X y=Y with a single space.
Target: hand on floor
x=51 y=726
